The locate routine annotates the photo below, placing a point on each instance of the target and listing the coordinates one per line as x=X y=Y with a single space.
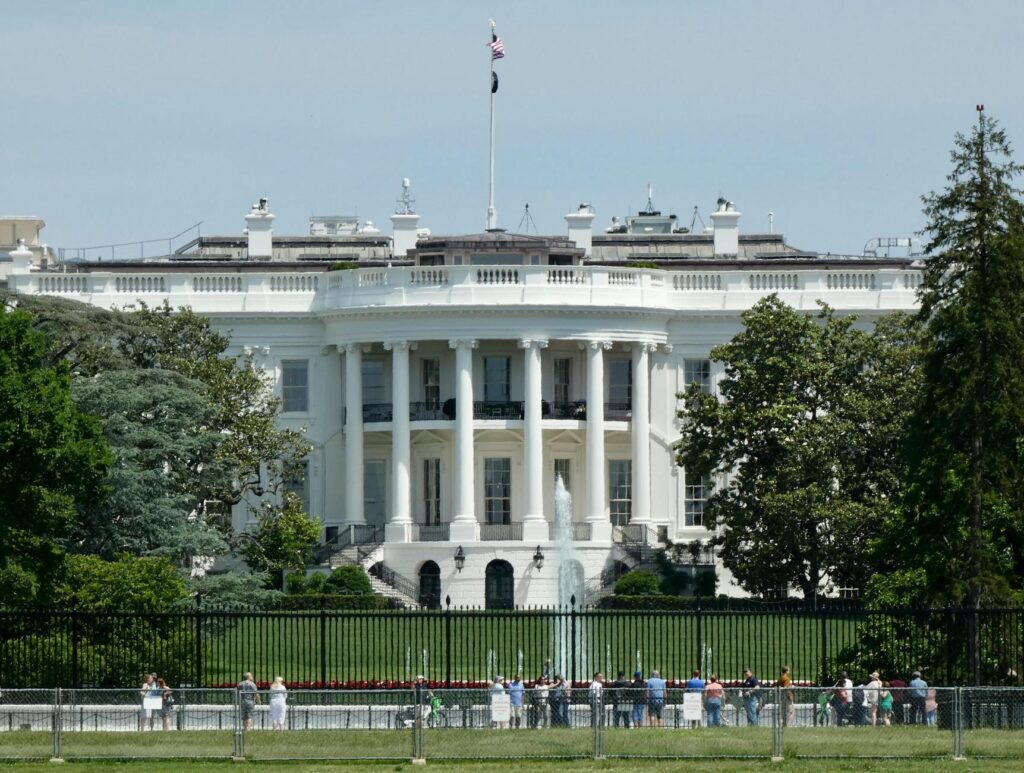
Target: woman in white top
x=278 y=703
x=872 y=694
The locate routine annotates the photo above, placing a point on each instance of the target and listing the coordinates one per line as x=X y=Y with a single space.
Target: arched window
x=430 y=585
x=499 y=585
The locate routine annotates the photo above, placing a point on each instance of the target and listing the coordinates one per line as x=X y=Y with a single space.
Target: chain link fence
x=559 y=721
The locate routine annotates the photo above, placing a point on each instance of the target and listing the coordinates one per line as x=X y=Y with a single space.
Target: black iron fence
x=465 y=647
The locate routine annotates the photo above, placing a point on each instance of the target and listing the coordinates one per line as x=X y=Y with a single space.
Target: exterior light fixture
x=538 y=559
x=460 y=558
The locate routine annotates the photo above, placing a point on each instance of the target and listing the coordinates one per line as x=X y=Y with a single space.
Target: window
x=695 y=495
x=432 y=492
x=620 y=490
x=432 y=383
x=563 y=469
x=375 y=491
x=563 y=380
x=373 y=382
x=620 y=383
x=697 y=372
x=295 y=386
x=297 y=483
x=496 y=379
x=498 y=490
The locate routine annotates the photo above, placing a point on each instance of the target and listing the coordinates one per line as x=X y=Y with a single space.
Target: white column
x=399 y=527
x=641 y=431
x=535 y=527
x=600 y=526
x=464 y=527
x=353 y=435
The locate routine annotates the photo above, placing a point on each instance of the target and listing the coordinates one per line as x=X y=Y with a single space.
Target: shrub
x=642 y=264
x=343 y=265
x=638 y=583
x=348 y=580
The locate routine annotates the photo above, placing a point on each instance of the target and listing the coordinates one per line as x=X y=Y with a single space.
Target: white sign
x=501 y=708
x=154 y=703
x=692 y=706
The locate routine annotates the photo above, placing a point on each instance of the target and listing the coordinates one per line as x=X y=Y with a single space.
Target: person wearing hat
x=498 y=688
x=917 y=692
x=872 y=695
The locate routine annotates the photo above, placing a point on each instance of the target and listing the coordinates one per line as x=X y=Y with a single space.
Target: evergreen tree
x=963 y=523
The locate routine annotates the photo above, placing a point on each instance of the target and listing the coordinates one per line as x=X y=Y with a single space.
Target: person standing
x=788 y=698
x=713 y=701
x=885 y=704
x=656 y=688
x=695 y=684
x=541 y=707
x=497 y=689
x=145 y=714
x=872 y=696
x=841 y=699
x=248 y=697
x=639 y=699
x=595 y=694
x=166 y=704
x=559 y=700
x=917 y=691
x=278 y=703
x=751 y=696
x=620 y=702
x=931 y=707
x=516 y=691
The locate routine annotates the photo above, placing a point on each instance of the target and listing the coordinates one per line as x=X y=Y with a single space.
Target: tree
x=284 y=538
x=803 y=437
x=964 y=509
x=52 y=455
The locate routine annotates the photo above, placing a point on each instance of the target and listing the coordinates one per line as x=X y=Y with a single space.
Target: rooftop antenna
x=696 y=216
x=527 y=220
x=405 y=201
x=649 y=209
x=771 y=222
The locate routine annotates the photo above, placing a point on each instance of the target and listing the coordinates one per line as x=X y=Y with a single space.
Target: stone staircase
x=383 y=580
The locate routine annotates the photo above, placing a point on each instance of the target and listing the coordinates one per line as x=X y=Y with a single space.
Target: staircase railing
x=393 y=579
x=359 y=534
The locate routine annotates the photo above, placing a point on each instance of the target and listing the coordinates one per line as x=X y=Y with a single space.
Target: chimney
x=404 y=224
x=21 y=259
x=725 y=222
x=580 y=224
x=258 y=226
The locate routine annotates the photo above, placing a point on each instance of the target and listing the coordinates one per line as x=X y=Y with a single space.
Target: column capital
x=462 y=343
x=256 y=351
x=400 y=346
x=596 y=344
x=527 y=343
x=354 y=348
x=666 y=348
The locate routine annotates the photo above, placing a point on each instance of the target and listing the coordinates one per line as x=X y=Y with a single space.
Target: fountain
x=570 y=586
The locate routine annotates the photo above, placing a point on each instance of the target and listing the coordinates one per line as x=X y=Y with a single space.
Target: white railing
x=696 y=282
x=64 y=284
x=294 y=283
x=139 y=283
x=497 y=276
x=851 y=280
x=218 y=283
x=775 y=281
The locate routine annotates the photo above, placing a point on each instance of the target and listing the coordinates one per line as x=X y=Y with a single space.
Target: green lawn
x=458 y=744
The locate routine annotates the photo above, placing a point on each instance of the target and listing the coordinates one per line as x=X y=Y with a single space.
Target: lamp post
x=460 y=558
x=538 y=559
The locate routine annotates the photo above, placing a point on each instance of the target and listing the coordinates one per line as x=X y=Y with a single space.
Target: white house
x=444 y=382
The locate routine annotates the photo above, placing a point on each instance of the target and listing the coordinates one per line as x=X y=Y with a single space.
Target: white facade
x=571 y=368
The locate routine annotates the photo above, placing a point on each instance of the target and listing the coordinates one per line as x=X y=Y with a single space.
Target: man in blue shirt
x=656 y=699
x=516 y=691
x=695 y=684
x=751 y=696
x=917 y=691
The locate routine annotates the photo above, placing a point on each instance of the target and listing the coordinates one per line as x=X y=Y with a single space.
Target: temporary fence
x=764 y=722
x=462 y=647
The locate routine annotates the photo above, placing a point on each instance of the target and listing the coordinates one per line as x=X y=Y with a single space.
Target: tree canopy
x=52 y=455
x=805 y=442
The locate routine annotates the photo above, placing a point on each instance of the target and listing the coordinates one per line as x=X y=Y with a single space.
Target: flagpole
x=492 y=215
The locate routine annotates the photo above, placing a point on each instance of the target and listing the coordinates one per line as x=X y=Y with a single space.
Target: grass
x=458 y=744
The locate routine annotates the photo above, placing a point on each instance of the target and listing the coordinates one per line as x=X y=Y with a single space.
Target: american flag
x=497 y=48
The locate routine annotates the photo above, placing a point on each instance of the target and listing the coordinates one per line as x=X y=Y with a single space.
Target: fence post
x=822 y=620
x=58 y=724
x=199 y=642
x=448 y=642
x=323 y=647
x=572 y=637
x=777 y=725
x=949 y=644
x=238 y=750
x=597 y=720
x=958 y=723
x=75 y=674
x=700 y=641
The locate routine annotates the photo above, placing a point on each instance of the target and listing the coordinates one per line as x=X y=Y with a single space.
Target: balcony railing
x=495 y=532
x=572 y=410
x=510 y=409
x=432 y=411
x=581 y=531
x=431 y=532
x=374 y=412
x=618 y=411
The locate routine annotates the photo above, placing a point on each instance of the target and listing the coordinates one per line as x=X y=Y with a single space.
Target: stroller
x=406 y=718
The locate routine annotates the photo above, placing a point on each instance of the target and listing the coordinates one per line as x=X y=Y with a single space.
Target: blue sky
x=134 y=120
